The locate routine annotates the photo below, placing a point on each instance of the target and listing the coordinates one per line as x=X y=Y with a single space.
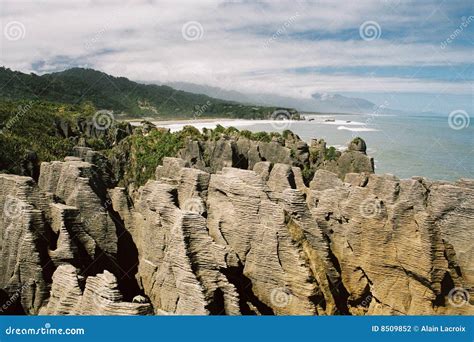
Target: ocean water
x=405 y=146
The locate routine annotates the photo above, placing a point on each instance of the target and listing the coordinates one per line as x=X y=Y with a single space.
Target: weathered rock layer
x=240 y=152
x=237 y=241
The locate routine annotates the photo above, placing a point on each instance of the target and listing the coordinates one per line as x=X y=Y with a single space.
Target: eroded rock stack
x=240 y=152
x=237 y=241
x=394 y=240
x=65 y=219
x=101 y=295
x=25 y=268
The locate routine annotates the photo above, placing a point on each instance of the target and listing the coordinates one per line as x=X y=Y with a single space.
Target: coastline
x=136 y=122
x=394 y=149
x=181 y=120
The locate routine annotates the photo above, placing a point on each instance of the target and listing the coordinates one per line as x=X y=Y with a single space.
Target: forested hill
x=78 y=85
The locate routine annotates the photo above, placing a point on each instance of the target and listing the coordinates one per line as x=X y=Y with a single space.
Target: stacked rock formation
x=240 y=152
x=64 y=220
x=25 y=270
x=237 y=241
x=101 y=295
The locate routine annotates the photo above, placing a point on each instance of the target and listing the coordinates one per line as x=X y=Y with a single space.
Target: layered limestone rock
x=394 y=241
x=73 y=244
x=101 y=295
x=66 y=292
x=351 y=243
x=25 y=267
x=38 y=233
x=180 y=266
x=237 y=241
x=240 y=152
x=78 y=184
x=250 y=219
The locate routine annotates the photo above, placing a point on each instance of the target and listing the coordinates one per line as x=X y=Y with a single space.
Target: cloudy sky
x=410 y=54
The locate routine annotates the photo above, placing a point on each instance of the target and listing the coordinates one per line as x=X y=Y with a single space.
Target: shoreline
x=180 y=121
x=171 y=121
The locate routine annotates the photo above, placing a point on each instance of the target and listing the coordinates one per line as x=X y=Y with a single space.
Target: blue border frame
x=241 y=329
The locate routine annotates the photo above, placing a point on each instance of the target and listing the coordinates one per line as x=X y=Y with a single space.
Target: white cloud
x=142 y=40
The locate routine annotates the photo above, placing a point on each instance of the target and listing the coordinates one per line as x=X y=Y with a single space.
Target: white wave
x=340 y=147
x=357 y=129
x=211 y=124
x=342 y=122
x=371 y=151
x=378 y=114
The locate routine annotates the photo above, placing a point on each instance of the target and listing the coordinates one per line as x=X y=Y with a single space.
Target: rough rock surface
x=180 y=266
x=101 y=295
x=78 y=184
x=402 y=245
x=213 y=156
x=236 y=241
x=65 y=219
x=25 y=268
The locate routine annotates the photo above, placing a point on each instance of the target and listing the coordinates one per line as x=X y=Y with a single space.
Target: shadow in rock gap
x=127 y=258
x=10 y=304
x=246 y=296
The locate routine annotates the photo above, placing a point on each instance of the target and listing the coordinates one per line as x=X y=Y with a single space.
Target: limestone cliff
x=241 y=152
x=249 y=240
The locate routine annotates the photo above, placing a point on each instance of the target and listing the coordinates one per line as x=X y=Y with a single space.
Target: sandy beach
x=184 y=121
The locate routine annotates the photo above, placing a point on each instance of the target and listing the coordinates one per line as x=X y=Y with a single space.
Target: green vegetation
x=261 y=136
x=33 y=126
x=124 y=97
x=148 y=151
x=330 y=153
x=308 y=174
x=142 y=153
x=286 y=133
x=43 y=114
x=35 y=131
